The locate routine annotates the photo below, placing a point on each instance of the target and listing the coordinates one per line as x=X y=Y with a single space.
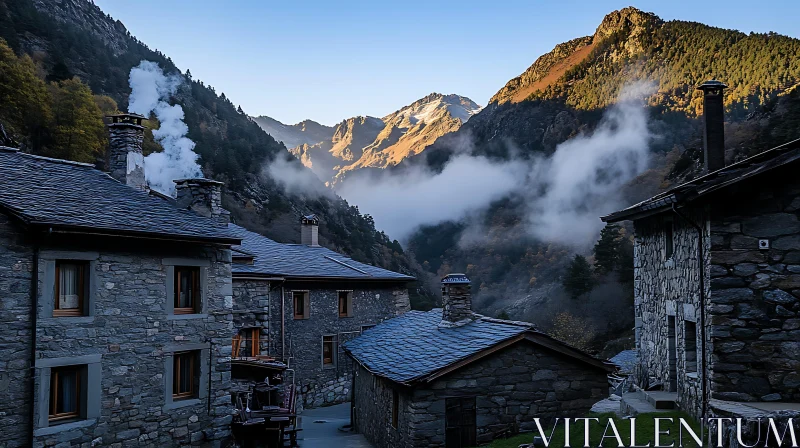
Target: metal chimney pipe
x=714 y=117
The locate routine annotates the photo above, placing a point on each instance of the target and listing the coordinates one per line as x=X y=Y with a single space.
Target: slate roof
x=75 y=197
x=300 y=261
x=412 y=348
x=711 y=182
x=626 y=360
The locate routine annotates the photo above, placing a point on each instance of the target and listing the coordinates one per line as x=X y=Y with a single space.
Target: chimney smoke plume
x=150 y=91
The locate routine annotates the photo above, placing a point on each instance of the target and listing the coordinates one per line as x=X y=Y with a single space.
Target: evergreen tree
x=578 y=279
x=607 y=250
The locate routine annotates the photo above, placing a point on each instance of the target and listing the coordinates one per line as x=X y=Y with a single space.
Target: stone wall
x=666 y=290
x=756 y=311
x=127 y=341
x=320 y=385
x=16 y=260
x=372 y=400
x=512 y=387
x=251 y=309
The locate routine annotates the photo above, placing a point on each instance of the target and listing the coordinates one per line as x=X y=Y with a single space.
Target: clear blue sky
x=329 y=60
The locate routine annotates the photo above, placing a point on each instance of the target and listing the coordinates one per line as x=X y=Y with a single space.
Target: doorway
x=460 y=428
x=672 y=338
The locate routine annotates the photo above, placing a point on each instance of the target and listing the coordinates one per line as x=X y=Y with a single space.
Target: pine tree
x=578 y=279
x=607 y=250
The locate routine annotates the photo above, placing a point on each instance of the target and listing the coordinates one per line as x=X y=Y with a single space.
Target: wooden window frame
x=177 y=358
x=83 y=270
x=54 y=388
x=196 y=295
x=255 y=343
x=348 y=303
x=329 y=339
x=395 y=408
x=305 y=312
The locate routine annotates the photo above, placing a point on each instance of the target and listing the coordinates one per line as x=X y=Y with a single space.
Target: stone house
x=449 y=377
x=717 y=276
x=115 y=320
x=300 y=302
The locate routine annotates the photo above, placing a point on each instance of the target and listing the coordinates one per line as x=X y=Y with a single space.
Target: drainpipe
x=283 y=323
x=33 y=317
x=703 y=386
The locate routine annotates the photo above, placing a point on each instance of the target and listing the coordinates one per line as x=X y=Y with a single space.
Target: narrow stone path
x=326 y=433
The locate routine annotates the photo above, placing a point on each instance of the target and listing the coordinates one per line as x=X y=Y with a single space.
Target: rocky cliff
x=374 y=143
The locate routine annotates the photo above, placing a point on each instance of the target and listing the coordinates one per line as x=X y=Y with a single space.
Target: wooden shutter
x=306 y=305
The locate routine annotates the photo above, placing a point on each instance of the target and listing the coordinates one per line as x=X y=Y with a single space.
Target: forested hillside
x=565 y=94
x=64 y=64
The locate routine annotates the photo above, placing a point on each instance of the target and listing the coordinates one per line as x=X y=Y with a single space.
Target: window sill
x=186 y=316
x=692 y=375
x=181 y=404
x=68 y=319
x=328 y=366
x=49 y=430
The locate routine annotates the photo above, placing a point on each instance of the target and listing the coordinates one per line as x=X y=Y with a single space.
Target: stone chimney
x=204 y=197
x=125 y=160
x=456 y=300
x=714 y=117
x=309 y=230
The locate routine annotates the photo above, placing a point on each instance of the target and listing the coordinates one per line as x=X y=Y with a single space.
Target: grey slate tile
x=60 y=193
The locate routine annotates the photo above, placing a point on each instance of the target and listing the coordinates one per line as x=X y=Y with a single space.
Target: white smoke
x=150 y=90
x=565 y=193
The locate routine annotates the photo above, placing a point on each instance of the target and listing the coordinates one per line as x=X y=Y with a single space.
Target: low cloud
x=565 y=194
x=402 y=202
x=295 y=178
x=583 y=178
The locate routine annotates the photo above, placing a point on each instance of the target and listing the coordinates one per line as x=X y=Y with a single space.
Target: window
x=670 y=238
x=366 y=327
x=71 y=287
x=690 y=346
x=328 y=350
x=345 y=303
x=395 y=408
x=301 y=304
x=65 y=394
x=184 y=374
x=187 y=290
x=247 y=343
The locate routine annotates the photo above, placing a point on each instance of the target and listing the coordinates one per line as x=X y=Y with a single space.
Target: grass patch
x=645 y=432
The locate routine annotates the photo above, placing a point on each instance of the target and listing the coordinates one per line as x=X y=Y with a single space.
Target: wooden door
x=460 y=428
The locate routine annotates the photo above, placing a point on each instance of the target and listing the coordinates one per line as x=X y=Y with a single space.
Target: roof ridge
x=51 y=159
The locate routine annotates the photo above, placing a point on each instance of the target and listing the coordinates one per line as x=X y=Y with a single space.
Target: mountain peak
x=627 y=20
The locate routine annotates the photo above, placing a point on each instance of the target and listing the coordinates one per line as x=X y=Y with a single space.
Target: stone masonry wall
x=16 y=259
x=251 y=309
x=669 y=287
x=512 y=387
x=372 y=399
x=131 y=334
x=320 y=385
x=756 y=311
